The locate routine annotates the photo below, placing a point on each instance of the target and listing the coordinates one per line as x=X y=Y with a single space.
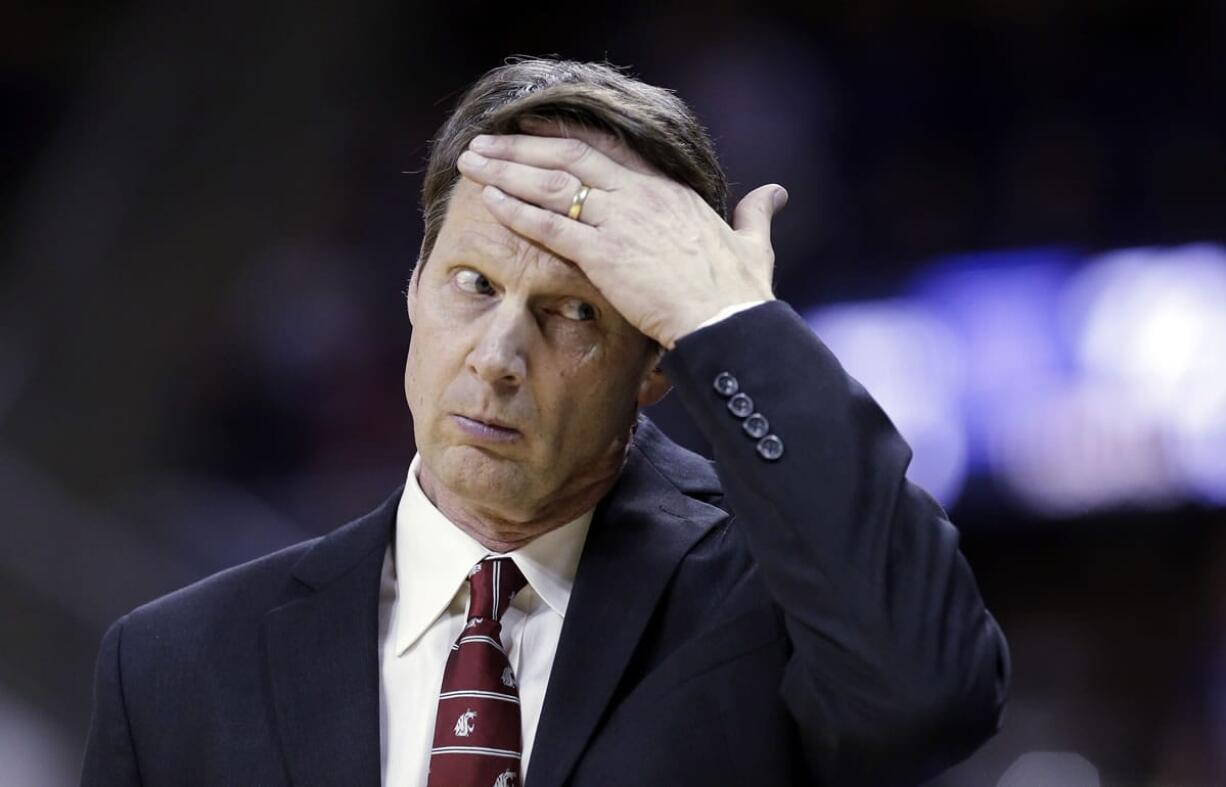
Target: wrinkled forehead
x=471 y=233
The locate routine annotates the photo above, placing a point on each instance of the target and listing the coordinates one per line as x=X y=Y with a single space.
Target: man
x=559 y=592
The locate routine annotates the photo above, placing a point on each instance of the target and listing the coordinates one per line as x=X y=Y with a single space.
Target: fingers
x=565 y=237
x=559 y=153
x=552 y=189
x=606 y=143
x=753 y=214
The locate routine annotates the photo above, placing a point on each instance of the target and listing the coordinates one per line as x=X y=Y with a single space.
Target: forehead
x=470 y=232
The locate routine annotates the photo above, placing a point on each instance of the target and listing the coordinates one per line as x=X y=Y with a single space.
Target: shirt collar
x=432 y=558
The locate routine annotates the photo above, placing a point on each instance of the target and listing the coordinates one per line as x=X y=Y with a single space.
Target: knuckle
x=556 y=182
x=550 y=225
x=575 y=150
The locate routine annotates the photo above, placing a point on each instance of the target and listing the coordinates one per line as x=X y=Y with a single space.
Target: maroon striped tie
x=477 y=737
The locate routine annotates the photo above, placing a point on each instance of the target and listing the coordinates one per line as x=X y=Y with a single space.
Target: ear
x=654 y=385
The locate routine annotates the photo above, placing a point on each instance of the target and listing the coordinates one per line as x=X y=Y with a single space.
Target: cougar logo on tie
x=479 y=681
x=465 y=725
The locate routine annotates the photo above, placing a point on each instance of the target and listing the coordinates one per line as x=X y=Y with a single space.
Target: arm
x=898 y=671
x=110 y=759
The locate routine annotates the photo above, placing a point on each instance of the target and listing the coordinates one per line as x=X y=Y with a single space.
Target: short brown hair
x=649 y=120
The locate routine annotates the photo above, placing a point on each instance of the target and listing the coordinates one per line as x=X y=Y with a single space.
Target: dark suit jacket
x=808 y=620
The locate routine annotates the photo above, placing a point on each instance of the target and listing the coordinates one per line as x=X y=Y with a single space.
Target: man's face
x=506 y=331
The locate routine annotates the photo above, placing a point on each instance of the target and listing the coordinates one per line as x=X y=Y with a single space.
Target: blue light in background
x=1079 y=383
x=1003 y=307
x=914 y=366
x=1151 y=324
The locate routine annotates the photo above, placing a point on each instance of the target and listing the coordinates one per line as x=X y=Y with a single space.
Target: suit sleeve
x=897 y=669
x=110 y=759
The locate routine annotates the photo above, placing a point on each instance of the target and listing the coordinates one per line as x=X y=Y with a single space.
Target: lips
x=489 y=421
x=479 y=431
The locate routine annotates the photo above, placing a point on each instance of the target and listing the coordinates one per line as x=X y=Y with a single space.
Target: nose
x=499 y=356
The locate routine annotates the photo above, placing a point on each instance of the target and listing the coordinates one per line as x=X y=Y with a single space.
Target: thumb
x=753 y=214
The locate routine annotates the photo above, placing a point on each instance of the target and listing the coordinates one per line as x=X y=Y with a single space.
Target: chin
x=482 y=476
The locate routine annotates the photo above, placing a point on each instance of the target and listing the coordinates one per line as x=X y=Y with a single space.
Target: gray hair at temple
x=650 y=120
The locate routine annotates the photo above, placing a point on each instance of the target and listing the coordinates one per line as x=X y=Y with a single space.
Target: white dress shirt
x=423 y=605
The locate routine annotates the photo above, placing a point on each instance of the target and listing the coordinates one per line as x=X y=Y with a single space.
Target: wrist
x=709 y=316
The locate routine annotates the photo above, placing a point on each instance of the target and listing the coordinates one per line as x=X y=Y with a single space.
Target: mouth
x=490 y=430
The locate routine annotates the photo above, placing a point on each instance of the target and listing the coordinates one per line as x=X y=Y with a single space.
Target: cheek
x=577 y=379
x=412 y=382
x=423 y=371
x=593 y=392
x=584 y=356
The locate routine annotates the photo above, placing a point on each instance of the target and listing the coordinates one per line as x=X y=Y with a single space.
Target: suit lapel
x=322 y=653
x=640 y=532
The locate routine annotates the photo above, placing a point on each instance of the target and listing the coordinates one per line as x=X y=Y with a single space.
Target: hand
x=657 y=252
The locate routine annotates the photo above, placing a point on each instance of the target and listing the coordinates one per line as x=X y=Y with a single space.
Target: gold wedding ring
x=576 y=203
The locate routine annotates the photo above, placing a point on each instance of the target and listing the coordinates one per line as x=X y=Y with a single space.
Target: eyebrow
x=485 y=246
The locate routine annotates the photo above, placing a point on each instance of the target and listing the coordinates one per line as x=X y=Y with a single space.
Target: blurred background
x=1006 y=218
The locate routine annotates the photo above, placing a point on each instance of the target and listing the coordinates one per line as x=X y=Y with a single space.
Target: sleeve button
x=740 y=405
x=726 y=384
x=770 y=448
x=756 y=425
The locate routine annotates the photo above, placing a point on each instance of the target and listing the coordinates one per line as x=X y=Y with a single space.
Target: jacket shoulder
x=238 y=593
x=230 y=602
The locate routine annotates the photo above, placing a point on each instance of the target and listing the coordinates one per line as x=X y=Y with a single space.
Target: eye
x=471 y=281
x=580 y=311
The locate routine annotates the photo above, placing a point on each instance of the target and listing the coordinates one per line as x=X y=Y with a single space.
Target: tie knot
x=493 y=583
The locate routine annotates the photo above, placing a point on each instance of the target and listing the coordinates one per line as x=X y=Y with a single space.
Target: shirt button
x=740 y=405
x=770 y=448
x=726 y=384
x=756 y=425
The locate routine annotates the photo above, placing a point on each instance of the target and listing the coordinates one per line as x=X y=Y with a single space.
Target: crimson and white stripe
x=487 y=640
x=489 y=695
x=477 y=731
x=483 y=750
